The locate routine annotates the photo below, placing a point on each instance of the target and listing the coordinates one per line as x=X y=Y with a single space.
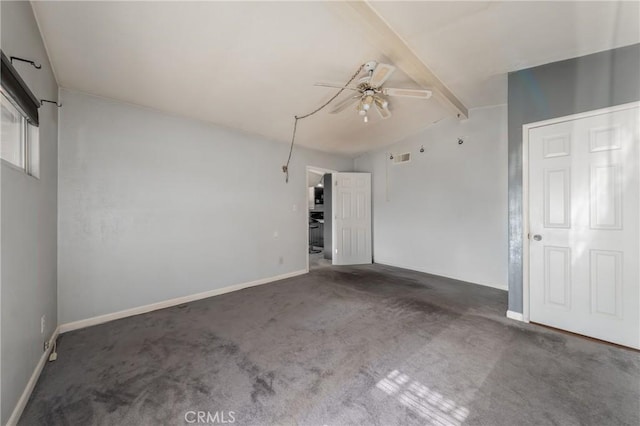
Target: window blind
x=17 y=89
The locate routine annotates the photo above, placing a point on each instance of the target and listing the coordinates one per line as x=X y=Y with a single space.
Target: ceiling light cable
x=285 y=168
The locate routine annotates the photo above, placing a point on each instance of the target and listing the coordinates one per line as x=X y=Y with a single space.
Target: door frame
x=525 y=188
x=308 y=169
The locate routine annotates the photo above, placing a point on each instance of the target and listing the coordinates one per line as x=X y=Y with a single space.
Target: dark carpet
x=367 y=345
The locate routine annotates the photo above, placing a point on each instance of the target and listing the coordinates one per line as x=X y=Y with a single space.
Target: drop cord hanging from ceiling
x=285 y=168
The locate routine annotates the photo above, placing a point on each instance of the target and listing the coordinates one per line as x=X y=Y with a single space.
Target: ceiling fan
x=370 y=92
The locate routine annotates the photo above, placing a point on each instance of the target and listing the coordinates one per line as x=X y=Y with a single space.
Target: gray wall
x=445 y=211
x=154 y=206
x=555 y=90
x=28 y=221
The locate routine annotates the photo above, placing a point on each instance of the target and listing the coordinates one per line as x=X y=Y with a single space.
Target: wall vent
x=402 y=158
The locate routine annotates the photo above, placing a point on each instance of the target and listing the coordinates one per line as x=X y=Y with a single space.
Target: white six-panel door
x=351 y=201
x=584 y=226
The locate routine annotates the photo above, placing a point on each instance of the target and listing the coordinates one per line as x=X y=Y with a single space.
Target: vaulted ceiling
x=252 y=66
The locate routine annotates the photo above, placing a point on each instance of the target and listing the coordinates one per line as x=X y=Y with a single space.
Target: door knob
x=537 y=237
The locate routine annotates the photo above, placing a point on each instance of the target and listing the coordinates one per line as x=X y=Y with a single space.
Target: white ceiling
x=251 y=66
x=473 y=45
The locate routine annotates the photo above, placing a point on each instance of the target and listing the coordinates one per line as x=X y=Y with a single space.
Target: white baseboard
x=31 y=384
x=75 y=325
x=515 y=316
x=412 y=268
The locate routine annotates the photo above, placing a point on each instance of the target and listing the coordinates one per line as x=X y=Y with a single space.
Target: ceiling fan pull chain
x=285 y=168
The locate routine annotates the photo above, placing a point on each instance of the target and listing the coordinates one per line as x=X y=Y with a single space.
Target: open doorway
x=317 y=231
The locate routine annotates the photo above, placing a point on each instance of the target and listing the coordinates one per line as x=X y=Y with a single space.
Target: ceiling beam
x=398 y=51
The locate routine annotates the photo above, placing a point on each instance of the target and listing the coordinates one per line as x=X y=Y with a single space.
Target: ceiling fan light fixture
x=366 y=118
x=382 y=103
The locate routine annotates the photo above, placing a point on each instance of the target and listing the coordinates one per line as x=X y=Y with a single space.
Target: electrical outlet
x=42 y=322
x=46 y=346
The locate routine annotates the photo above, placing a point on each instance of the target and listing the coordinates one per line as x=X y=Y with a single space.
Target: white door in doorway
x=584 y=225
x=351 y=201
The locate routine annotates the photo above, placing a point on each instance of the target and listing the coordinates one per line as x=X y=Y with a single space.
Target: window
x=33 y=150
x=13 y=134
x=20 y=145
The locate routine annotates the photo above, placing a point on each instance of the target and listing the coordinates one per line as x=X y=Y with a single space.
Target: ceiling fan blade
x=335 y=85
x=381 y=74
x=408 y=93
x=384 y=112
x=345 y=103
